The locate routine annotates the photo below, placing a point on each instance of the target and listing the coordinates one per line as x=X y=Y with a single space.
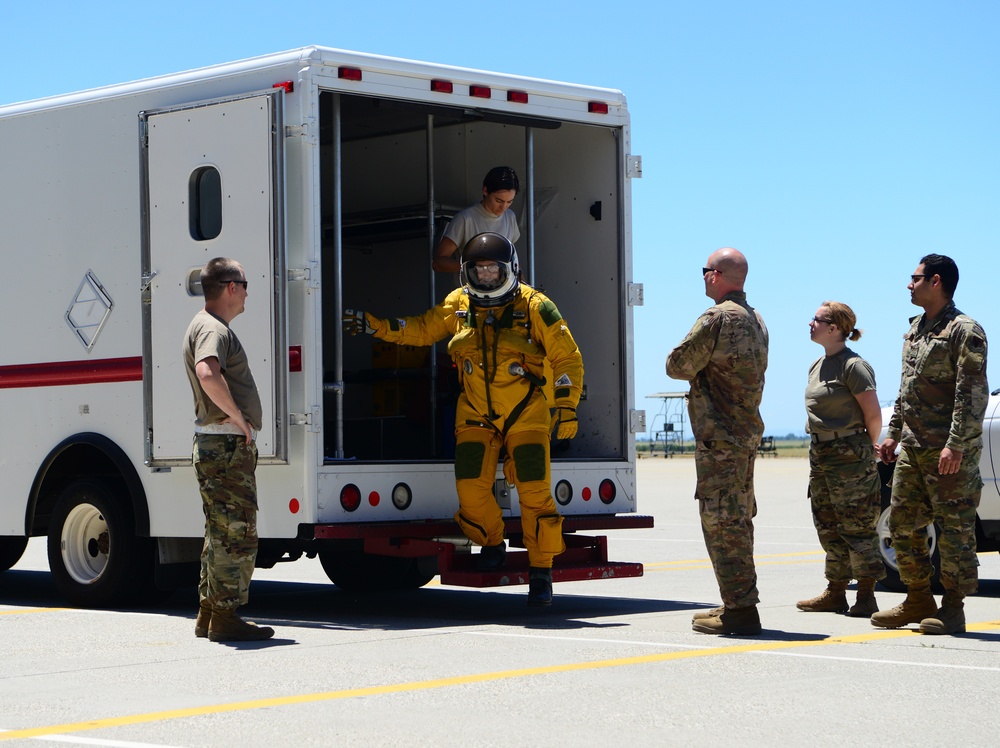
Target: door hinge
x=635 y=294
x=304 y=131
x=307 y=274
x=310 y=420
x=145 y=280
x=633 y=167
x=637 y=421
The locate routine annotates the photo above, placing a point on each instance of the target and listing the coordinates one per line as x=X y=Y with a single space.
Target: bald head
x=731 y=273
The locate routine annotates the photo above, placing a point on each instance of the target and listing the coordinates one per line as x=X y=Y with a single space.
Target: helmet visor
x=486 y=276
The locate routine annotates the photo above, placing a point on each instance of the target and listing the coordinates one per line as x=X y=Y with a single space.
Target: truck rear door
x=213 y=185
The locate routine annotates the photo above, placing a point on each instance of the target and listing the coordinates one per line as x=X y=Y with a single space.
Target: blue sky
x=833 y=143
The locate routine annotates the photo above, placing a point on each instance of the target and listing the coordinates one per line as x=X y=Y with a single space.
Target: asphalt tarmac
x=612 y=662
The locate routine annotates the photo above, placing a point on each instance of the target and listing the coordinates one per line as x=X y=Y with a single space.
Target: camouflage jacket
x=943 y=390
x=724 y=357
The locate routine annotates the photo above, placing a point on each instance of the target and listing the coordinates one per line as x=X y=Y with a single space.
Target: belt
x=222 y=428
x=831 y=435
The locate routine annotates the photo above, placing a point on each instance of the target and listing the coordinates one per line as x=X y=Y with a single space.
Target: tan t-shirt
x=208 y=336
x=834 y=381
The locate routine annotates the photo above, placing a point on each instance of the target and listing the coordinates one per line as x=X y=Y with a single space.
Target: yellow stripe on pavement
x=461 y=680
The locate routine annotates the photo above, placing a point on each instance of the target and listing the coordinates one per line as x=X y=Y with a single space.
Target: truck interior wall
x=390 y=411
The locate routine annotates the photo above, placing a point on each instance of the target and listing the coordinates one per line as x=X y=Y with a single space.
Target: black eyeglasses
x=710 y=270
x=823 y=321
x=245 y=284
x=915 y=278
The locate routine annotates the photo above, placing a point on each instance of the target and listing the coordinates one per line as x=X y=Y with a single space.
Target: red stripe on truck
x=60 y=373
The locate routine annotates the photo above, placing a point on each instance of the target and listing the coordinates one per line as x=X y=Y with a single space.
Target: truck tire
x=11 y=549
x=95 y=558
x=356 y=571
x=892 y=581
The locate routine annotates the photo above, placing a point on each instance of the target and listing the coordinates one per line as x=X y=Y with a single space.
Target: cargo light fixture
x=294 y=358
x=402 y=496
x=563 y=492
x=350 y=497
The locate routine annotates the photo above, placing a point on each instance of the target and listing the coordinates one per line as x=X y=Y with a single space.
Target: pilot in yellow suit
x=501 y=334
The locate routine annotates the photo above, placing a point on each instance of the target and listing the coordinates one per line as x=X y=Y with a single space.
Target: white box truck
x=331 y=176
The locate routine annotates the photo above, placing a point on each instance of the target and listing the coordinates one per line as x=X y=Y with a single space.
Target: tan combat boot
x=950 y=618
x=701 y=614
x=739 y=621
x=865 y=607
x=918 y=605
x=226 y=626
x=202 y=623
x=832 y=600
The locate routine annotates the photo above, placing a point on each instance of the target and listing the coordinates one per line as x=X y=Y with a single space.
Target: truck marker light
x=374 y=498
x=289 y=86
x=350 y=497
x=293 y=506
x=518 y=97
x=480 y=92
x=442 y=86
x=597 y=107
x=563 y=492
x=349 y=74
x=402 y=496
x=294 y=358
x=607 y=491
x=585 y=493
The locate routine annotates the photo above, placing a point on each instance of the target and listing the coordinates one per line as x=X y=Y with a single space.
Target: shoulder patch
x=549 y=313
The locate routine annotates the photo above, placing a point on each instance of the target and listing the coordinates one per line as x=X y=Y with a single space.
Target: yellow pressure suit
x=500 y=353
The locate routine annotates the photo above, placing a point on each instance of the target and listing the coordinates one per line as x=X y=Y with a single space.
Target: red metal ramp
x=586 y=556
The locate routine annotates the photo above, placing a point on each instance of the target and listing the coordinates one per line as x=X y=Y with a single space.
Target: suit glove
x=565 y=423
x=356 y=322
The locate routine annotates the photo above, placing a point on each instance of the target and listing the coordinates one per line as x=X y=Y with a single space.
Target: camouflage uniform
x=724 y=357
x=845 y=495
x=225 y=465
x=844 y=487
x=942 y=402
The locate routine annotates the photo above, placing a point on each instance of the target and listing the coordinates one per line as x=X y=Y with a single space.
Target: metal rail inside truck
x=331 y=176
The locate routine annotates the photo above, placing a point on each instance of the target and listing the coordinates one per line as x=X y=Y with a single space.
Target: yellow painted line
x=32 y=610
x=461 y=680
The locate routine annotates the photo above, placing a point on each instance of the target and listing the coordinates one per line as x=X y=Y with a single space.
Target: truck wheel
x=356 y=571
x=11 y=549
x=892 y=581
x=95 y=558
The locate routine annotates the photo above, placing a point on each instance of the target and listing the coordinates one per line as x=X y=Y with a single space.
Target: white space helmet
x=489 y=270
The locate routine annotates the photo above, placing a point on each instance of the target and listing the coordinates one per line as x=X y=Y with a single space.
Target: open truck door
x=212 y=184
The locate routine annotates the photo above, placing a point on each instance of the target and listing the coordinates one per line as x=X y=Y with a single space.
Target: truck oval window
x=205 y=203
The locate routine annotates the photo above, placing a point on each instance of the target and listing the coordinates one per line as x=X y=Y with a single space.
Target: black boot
x=491 y=557
x=539 y=586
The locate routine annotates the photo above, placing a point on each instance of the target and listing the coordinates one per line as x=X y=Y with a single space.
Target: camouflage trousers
x=225 y=467
x=727 y=506
x=921 y=496
x=845 y=494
